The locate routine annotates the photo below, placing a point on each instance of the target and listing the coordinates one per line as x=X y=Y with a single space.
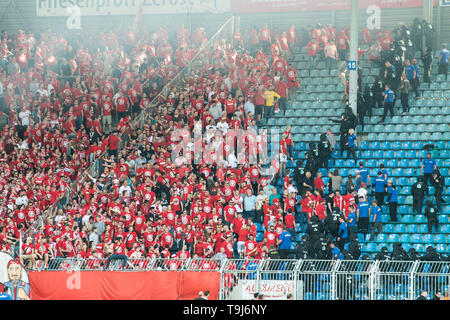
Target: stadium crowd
x=87 y=118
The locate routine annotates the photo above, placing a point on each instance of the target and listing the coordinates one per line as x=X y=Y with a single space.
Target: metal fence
x=240 y=279
x=334 y=280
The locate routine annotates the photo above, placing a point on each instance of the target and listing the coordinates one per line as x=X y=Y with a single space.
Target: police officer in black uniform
x=431 y=215
x=315 y=229
x=322 y=249
x=383 y=255
x=332 y=223
x=299 y=173
x=438 y=182
x=427 y=59
x=419 y=190
x=355 y=247
x=324 y=151
x=312 y=159
x=377 y=91
x=303 y=249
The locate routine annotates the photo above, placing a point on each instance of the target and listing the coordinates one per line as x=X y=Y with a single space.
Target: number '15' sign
x=351 y=65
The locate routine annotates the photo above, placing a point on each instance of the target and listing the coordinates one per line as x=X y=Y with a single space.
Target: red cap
x=13 y=262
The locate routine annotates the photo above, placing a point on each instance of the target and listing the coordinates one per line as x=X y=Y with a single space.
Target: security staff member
x=324 y=151
x=418 y=191
x=392 y=200
x=438 y=182
x=375 y=214
x=427 y=168
x=412 y=76
x=343 y=233
x=364 y=173
x=389 y=100
x=380 y=188
x=284 y=243
x=362 y=214
x=351 y=221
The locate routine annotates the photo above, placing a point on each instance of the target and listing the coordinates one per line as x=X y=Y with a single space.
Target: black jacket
x=355 y=249
x=438 y=183
x=419 y=190
x=431 y=214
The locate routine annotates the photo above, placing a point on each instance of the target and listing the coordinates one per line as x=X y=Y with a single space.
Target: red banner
x=254 y=6
x=108 y=285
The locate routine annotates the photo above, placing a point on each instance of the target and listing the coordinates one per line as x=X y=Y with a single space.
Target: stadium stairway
x=397 y=143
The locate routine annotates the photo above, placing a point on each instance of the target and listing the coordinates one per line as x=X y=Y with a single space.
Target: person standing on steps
x=443 y=61
x=427 y=59
x=392 y=200
x=352 y=144
x=404 y=89
x=427 y=168
x=418 y=191
x=389 y=100
x=438 y=182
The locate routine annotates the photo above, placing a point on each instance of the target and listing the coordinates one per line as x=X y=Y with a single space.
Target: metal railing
x=334 y=280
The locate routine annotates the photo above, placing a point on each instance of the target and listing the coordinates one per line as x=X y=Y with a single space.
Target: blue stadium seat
x=393 y=238
x=378 y=154
x=445 y=228
x=388 y=228
x=407 y=145
x=396 y=145
x=367 y=154
x=393 y=163
x=419 y=247
x=349 y=163
x=400 y=154
x=404 y=163
x=420 y=219
x=400 y=228
x=405 y=238
x=428 y=238
x=371 y=247
x=441 y=248
x=412 y=228
x=416 y=238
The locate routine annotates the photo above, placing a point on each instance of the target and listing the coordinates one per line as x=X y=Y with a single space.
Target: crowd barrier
x=239 y=279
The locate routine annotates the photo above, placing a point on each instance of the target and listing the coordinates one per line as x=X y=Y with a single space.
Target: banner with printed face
x=271 y=289
x=110 y=285
x=60 y=8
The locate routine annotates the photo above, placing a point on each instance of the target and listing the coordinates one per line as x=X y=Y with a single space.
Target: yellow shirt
x=269 y=96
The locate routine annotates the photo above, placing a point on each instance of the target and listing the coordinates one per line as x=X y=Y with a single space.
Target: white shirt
x=223 y=126
x=25 y=117
x=362 y=193
x=123 y=189
x=21 y=201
